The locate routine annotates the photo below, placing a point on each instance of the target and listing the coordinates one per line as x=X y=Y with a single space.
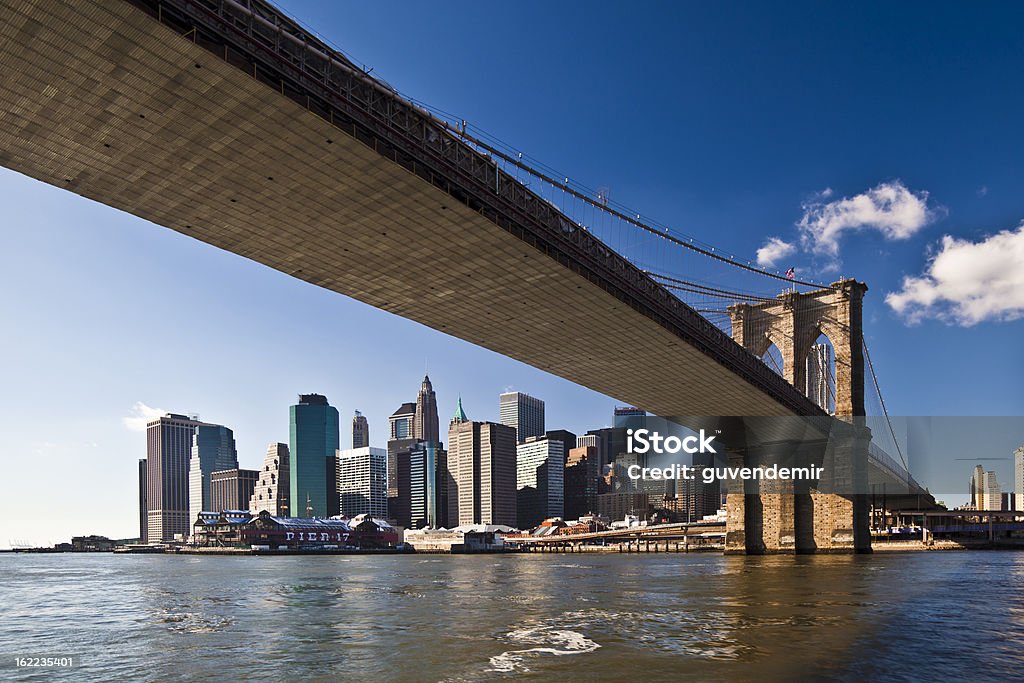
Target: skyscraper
x=428 y=485
x=819 y=362
x=232 y=489
x=213 y=450
x=481 y=472
x=362 y=481
x=580 y=480
x=400 y=438
x=168 y=451
x=273 y=490
x=1018 y=478
x=692 y=499
x=143 y=508
x=523 y=413
x=986 y=492
x=627 y=412
x=401 y=422
x=360 y=431
x=540 y=473
x=313 y=444
x=425 y=423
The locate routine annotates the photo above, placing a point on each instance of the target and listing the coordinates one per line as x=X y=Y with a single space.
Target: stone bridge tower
x=793 y=323
x=830 y=514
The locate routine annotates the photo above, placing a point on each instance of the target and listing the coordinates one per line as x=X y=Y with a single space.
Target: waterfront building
x=314 y=441
x=540 y=476
x=1018 y=478
x=142 y=501
x=360 y=431
x=580 y=480
x=362 y=481
x=213 y=450
x=481 y=471
x=522 y=412
x=818 y=387
x=425 y=421
x=462 y=539
x=273 y=491
x=92 y=544
x=239 y=529
x=168 y=452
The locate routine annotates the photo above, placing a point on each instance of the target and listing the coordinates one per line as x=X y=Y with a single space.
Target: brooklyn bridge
x=229 y=122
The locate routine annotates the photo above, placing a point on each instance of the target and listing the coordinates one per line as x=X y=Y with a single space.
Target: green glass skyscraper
x=313 y=444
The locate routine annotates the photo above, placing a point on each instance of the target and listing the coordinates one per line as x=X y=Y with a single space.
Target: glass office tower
x=314 y=441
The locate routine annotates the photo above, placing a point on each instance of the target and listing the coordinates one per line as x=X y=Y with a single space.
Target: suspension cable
x=565 y=187
x=885 y=412
x=709 y=289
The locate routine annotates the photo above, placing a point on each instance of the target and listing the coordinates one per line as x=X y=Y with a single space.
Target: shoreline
x=883 y=548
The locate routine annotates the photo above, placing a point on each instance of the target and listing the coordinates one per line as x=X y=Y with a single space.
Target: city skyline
x=94 y=285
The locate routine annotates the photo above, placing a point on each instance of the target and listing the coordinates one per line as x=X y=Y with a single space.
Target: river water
x=915 y=616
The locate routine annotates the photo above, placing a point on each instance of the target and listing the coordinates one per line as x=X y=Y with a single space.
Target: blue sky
x=736 y=123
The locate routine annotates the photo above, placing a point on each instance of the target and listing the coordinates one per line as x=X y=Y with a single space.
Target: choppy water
x=919 y=616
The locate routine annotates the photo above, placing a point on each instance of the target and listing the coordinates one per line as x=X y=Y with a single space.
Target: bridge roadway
x=187 y=114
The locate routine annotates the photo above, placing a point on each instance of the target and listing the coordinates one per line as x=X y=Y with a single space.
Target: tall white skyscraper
x=522 y=412
x=362 y=478
x=819 y=360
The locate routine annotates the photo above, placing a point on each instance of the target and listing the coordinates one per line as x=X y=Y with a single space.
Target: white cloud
x=773 y=251
x=967 y=282
x=141 y=414
x=890 y=208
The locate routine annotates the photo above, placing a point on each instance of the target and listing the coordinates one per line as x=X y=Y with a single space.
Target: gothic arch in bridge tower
x=820 y=368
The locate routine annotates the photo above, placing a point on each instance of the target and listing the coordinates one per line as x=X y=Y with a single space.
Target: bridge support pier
x=830 y=515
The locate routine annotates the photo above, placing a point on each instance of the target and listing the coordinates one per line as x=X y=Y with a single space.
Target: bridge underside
x=101 y=99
